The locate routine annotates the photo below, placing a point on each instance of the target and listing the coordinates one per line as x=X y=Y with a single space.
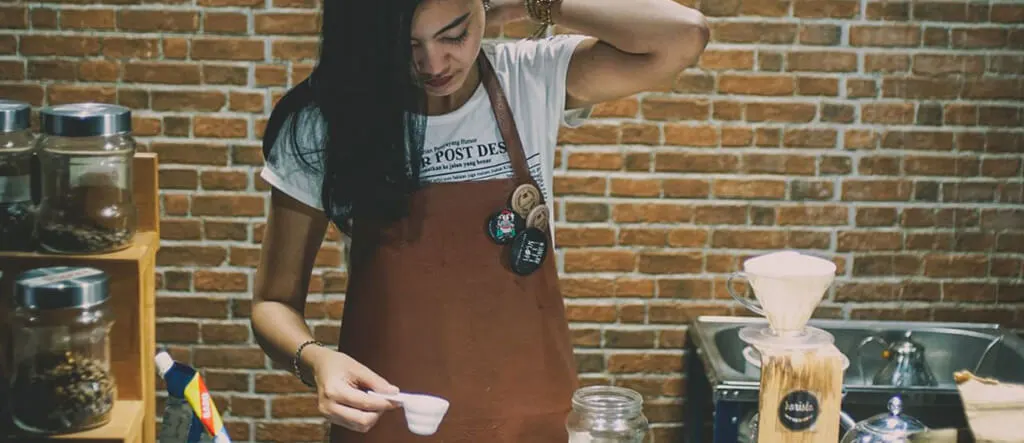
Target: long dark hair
x=364 y=92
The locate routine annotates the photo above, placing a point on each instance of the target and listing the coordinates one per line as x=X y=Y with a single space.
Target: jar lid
x=61 y=287
x=894 y=423
x=14 y=115
x=85 y=120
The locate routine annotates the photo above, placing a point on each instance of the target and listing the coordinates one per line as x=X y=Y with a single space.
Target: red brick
x=576 y=236
x=821 y=61
x=646 y=134
x=979 y=38
x=646 y=363
x=869 y=241
x=920 y=88
x=295 y=50
x=825 y=35
x=590 y=135
x=964 y=266
x=168 y=73
x=657 y=108
x=271 y=75
x=817 y=86
x=748 y=239
x=225 y=333
x=225 y=23
x=191 y=307
x=99 y=71
x=886 y=35
x=753 y=32
x=39 y=45
x=87 y=19
x=756 y=85
x=228 y=206
x=595 y=160
x=62 y=94
x=1007 y=13
x=684 y=288
x=726 y=59
x=288 y=24
x=826 y=8
x=573 y=185
x=750 y=189
x=623 y=187
x=596 y=260
x=876 y=190
x=781 y=112
x=218 y=127
x=586 y=212
x=283 y=431
x=886 y=63
x=685 y=188
x=688 y=83
x=685 y=135
x=190 y=154
x=887 y=113
x=918 y=140
x=227 y=49
x=651 y=213
x=810 y=138
x=670 y=263
x=158 y=21
x=679 y=162
x=813 y=215
x=879 y=165
x=778 y=164
x=721 y=214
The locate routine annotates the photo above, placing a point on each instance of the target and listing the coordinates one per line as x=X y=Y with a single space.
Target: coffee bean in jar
x=67 y=391
x=61 y=351
x=85 y=153
x=17 y=210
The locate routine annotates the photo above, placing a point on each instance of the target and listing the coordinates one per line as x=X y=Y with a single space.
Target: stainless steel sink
x=949 y=347
x=722 y=389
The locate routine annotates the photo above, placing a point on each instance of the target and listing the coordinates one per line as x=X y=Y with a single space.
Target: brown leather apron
x=433 y=307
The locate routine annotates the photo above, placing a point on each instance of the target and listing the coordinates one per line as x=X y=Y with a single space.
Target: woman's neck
x=440 y=105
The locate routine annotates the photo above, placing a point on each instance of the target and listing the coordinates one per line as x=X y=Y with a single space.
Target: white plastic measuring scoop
x=423 y=413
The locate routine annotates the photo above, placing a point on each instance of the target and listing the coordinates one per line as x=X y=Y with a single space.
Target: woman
x=433 y=153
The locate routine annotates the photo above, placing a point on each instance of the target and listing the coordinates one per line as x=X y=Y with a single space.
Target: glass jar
x=17 y=211
x=86 y=153
x=606 y=414
x=61 y=380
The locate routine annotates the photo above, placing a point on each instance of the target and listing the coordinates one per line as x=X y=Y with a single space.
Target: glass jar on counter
x=606 y=414
x=17 y=146
x=86 y=153
x=61 y=380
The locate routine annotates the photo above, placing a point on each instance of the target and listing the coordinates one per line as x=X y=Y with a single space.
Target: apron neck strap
x=506 y=123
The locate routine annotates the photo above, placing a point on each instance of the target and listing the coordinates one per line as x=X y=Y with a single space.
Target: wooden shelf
x=132 y=273
x=125 y=426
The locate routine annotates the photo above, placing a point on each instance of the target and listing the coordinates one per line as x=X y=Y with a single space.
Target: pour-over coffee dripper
x=788 y=286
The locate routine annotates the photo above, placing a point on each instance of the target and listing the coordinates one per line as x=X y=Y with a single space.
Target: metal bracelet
x=298 y=355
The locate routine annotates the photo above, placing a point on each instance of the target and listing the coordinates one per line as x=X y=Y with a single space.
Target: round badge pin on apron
x=524 y=199
x=503 y=226
x=538 y=218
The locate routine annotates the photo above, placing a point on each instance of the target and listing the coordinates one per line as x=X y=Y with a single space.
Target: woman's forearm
x=633 y=26
x=280 y=329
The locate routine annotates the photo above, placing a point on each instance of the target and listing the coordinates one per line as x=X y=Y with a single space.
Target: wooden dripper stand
x=801 y=368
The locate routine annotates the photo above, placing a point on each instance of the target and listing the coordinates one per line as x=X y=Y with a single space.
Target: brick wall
x=886 y=135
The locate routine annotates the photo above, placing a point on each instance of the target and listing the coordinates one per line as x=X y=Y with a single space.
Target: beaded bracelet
x=295 y=360
x=540 y=11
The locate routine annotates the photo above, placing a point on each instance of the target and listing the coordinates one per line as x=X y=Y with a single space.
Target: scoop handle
x=746 y=301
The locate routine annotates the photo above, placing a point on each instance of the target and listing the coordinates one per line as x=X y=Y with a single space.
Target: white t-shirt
x=466 y=144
